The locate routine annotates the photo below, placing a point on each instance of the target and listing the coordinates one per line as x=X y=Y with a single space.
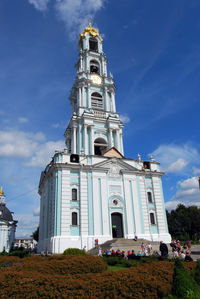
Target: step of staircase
x=124 y=245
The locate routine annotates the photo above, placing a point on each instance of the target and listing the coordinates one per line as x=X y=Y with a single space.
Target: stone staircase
x=125 y=245
x=129 y=244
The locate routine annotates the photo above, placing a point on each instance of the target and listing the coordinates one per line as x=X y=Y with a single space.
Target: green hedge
x=20 y=253
x=184 y=286
x=197 y=272
x=74 y=251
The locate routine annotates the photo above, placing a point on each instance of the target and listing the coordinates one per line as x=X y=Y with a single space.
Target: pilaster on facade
x=66 y=198
x=91 y=140
x=144 y=206
x=129 y=206
x=160 y=211
x=83 y=204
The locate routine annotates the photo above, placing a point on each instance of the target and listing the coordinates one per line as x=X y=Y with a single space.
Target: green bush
x=74 y=251
x=197 y=272
x=113 y=260
x=184 y=286
x=20 y=253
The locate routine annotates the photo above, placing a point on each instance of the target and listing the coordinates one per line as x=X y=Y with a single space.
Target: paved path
x=195 y=252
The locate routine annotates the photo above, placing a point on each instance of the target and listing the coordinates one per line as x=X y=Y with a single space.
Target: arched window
x=74 y=218
x=74 y=194
x=93 y=44
x=96 y=100
x=94 y=67
x=152 y=218
x=100 y=146
x=149 y=195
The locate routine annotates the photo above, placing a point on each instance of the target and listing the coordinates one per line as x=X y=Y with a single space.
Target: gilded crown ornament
x=92 y=31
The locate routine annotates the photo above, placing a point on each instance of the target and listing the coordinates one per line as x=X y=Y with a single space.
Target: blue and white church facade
x=90 y=190
x=7 y=225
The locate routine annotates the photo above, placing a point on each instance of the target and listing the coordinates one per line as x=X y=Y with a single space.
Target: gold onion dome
x=92 y=31
x=1 y=191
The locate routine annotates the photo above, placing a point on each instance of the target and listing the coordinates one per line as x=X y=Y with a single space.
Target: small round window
x=115 y=202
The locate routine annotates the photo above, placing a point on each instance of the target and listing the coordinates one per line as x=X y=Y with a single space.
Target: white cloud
x=177 y=166
x=22 y=119
x=30 y=146
x=195 y=170
x=27 y=224
x=124 y=118
x=44 y=152
x=36 y=212
x=39 y=4
x=188 y=193
x=58 y=126
x=171 y=205
x=76 y=14
x=175 y=158
x=18 y=143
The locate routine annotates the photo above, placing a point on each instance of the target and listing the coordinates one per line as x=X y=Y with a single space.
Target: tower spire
x=90 y=22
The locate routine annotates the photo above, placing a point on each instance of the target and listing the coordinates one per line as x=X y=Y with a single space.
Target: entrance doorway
x=117 y=226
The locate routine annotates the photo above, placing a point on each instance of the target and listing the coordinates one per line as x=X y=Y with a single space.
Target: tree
x=35 y=234
x=184 y=222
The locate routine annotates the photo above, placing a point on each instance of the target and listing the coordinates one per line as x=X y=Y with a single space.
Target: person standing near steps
x=163 y=249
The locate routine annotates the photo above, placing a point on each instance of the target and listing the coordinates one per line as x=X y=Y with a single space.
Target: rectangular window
x=152 y=218
x=149 y=195
x=74 y=218
x=74 y=194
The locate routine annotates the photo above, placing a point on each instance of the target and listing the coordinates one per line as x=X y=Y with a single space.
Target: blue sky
x=153 y=51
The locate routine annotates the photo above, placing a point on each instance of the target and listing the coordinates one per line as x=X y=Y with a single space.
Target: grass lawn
x=117 y=267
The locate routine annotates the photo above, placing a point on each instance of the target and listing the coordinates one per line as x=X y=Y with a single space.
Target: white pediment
x=114 y=166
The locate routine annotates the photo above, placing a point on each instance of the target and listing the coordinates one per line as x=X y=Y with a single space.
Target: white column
x=105 y=99
x=91 y=140
x=88 y=95
x=117 y=140
x=113 y=101
x=85 y=140
x=74 y=140
x=81 y=63
x=103 y=67
x=79 y=96
x=122 y=146
x=79 y=140
x=87 y=65
x=110 y=138
x=82 y=90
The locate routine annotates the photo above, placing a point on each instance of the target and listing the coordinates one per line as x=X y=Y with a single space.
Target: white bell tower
x=95 y=126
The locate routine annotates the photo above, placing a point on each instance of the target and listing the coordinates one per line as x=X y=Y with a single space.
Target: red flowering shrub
x=61 y=264
x=43 y=277
x=5 y=260
x=8 y=260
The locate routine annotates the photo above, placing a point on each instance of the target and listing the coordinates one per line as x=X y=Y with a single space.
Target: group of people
x=146 y=250
x=183 y=252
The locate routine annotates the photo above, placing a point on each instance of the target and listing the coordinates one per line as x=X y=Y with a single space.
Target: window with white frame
x=149 y=195
x=152 y=218
x=96 y=100
x=74 y=218
x=93 y=44
x=74 y=194
x=94 y=67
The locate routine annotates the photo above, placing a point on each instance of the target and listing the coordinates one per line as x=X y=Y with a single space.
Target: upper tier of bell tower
x=93 y=100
